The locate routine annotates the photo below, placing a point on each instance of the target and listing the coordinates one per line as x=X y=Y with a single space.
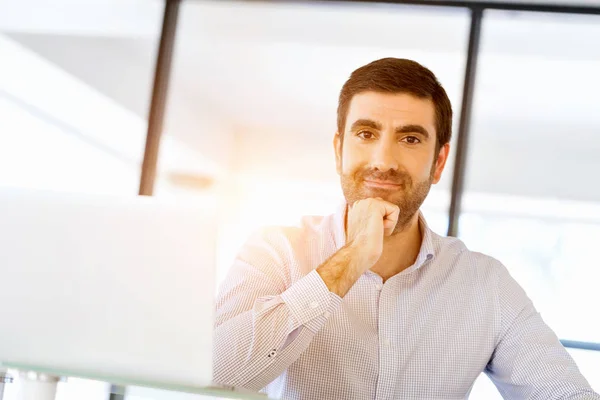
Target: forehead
x=392 y=109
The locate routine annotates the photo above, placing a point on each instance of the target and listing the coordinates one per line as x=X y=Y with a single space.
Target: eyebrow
x=366 y=123
x=411 y=128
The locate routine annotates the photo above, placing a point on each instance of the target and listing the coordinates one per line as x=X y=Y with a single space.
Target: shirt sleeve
x=529 y=362
x=264 y=322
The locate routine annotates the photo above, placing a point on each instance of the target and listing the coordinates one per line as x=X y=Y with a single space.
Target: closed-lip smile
x=374 y=183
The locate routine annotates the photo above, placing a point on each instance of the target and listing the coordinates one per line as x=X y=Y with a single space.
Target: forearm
x=529 y=361
x=248 y=349
x=256 y=346
x=341 y=271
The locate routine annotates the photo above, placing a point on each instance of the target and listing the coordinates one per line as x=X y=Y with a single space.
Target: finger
x=391 y=219
x=388 y=227
x=392 y=212
x=389 y=224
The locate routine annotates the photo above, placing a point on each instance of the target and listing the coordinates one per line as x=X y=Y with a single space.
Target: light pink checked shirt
x=427 y=333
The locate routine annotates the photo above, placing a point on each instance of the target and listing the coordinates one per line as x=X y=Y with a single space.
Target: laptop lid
x=106 y=287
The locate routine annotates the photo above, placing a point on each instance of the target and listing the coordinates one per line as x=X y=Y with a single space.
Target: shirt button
x=314 y=304
x=429 y=257
x=272 y=353
x=387 y=342
x=378 y=287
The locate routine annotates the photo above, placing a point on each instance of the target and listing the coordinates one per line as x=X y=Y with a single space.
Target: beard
x=408 y=197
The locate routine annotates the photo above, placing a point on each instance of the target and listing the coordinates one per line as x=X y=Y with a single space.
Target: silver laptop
x=116 y=289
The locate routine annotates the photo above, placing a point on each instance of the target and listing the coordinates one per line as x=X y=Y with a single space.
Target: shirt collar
x=426 y=253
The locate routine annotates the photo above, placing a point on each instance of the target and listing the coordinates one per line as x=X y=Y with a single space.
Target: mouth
x=385 y=185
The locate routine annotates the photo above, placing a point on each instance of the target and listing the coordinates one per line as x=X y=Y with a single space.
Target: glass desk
x=148 y=390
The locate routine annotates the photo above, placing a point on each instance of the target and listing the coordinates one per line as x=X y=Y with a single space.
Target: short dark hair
x=398 y=75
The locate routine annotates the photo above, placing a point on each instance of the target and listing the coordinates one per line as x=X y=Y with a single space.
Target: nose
x=383 y=158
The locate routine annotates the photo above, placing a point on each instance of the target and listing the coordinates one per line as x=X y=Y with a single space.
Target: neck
x=400 y=250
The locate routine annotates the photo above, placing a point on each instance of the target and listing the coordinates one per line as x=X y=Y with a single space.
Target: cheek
x=417 y=164
x=351 y=160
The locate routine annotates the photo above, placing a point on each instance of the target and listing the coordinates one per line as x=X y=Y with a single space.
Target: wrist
x=363 y=255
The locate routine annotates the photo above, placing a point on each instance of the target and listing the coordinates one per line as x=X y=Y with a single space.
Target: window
x=530 y=198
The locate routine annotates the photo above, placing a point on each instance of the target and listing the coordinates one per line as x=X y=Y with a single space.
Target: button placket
x=387 y=354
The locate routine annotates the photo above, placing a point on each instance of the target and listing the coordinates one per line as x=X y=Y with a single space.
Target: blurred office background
x=251 y=113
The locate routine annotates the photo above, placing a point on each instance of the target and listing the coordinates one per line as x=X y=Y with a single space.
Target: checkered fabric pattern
x=426 y=333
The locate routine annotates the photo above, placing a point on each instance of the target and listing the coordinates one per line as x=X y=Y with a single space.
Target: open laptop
x=115 y=289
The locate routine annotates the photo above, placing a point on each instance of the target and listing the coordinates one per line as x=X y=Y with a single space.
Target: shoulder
x=279 y=236
x=483 y=271
x=284 y=244
x=456 y=255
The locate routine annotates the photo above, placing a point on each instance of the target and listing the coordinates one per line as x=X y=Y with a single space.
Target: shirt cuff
x=309 y=298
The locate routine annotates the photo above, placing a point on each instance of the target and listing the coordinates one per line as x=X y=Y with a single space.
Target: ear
x=337 y=146
x=440 y=162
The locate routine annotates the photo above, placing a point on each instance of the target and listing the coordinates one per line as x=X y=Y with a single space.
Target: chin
x=388 y=195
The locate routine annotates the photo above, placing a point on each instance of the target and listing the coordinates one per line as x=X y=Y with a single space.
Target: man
x=369 y=303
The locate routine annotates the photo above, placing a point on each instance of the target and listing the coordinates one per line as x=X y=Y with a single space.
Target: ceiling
x=270 y=74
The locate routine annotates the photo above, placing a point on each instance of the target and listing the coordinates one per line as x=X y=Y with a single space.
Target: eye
x=411 y=140
x=365 y=135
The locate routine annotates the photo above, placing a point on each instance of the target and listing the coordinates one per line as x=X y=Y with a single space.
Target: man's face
x=388 y=151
